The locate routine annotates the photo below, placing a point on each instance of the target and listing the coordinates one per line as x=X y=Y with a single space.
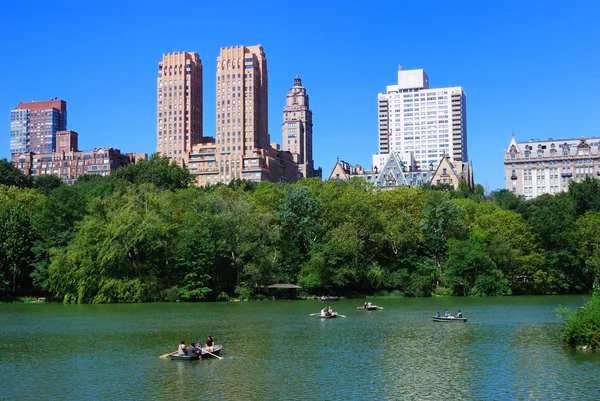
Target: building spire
x=297 y=81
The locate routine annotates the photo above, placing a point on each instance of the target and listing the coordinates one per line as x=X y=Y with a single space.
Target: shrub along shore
x=145 y=234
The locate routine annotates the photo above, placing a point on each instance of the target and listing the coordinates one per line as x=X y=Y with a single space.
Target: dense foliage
x=582 y=327
x=145 y=234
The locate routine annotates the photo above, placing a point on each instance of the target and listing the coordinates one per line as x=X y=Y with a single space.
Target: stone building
x=537 y=167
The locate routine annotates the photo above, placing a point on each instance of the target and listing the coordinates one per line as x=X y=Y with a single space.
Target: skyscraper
x=241 y=148
x=297 y=129
x=178 y=104
x=430 y=123
x=242 y=99
x=33 y=126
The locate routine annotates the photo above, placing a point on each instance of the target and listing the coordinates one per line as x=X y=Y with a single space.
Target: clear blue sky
x=526 y=66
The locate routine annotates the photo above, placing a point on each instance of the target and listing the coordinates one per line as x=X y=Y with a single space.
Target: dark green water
x=509 y=349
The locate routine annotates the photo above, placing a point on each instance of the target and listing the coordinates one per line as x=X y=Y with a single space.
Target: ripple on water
x=509 y=349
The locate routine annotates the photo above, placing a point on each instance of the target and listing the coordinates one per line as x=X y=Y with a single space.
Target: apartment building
x=429 y=122
x=33 y=126
x=537 y=167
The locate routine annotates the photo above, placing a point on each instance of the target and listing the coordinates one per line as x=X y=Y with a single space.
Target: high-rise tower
x=414 y=118
x=297 y=128
x=242 y=99
x=33 y=126
x=178 y=104
x=241 y=149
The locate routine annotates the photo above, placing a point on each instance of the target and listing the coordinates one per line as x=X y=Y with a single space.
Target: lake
x=508 y=350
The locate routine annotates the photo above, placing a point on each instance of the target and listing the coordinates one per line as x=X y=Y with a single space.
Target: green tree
x=442 y=220
x=586 y=240
x=12 y=176
x=469 y=268
x=54 y=224
x=586 y=195
x=158 y=170
x=15 y=247
x=121 y=250
x=47 y=183
x=298 y=214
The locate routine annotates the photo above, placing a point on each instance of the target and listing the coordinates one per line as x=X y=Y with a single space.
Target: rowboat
x=331 y=316
x=328 y=298
x=216 y=351
x=449 y=319
x=372 y=307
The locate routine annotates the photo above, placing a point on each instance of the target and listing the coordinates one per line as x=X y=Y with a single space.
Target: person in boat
x=369 y=304
x=210 y=344
x=323 y=311
x=366 y=304
x=447 y=314
x=329 y=311
x=191 y=350
x=438 y=315
x=459 y=315
x=182 y=349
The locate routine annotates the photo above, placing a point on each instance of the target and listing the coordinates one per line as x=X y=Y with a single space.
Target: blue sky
x=527 y=67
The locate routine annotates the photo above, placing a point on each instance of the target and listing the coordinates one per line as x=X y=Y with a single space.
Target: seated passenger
x=459 y=314
x=366 y=304
x=182 y=348
x=369 y=304
x=438 y=315
x=446 y=314
x=191 y=350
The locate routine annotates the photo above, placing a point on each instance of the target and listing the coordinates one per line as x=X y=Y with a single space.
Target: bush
x=582 y=328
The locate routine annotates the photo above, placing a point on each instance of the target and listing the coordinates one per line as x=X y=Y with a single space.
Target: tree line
x=146 y=234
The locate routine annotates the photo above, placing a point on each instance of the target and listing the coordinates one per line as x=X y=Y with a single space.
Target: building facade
x=397 y=170
x=452 y=173
x=33 y=126
x=241 y=148
x=69 y=163
x=430 y=123
x=178 y=105
x=297 y=129
x=537 y=167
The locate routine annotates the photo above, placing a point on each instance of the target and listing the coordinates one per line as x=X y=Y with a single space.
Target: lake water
x=508 y=350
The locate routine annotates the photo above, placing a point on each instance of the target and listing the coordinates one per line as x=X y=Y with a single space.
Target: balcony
x=569 y=174
x=513 y=177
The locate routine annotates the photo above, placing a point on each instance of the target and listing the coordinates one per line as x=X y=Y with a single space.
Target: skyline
x=524 y=70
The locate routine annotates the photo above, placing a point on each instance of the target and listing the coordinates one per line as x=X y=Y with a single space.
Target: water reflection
x=509 y=349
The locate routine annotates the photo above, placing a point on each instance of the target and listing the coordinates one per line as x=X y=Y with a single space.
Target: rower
x=210 y=344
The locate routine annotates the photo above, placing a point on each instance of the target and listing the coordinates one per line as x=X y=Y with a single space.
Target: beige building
x=537 y=167
x=297 y=129
x=451 y=173
x=178 y=105
x=69 y=163
x=241 y=148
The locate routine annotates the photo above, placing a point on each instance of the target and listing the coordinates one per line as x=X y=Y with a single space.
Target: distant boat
x=328 y=298
x=372 y=307
x=449 y=319
x=216 y=351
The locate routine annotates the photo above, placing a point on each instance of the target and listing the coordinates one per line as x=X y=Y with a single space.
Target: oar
x=340 y=315
x=210 y=353
x=313 y=314
x=380 y=307
x=166 y=355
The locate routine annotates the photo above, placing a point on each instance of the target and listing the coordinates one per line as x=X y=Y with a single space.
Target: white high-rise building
x=429 y=123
